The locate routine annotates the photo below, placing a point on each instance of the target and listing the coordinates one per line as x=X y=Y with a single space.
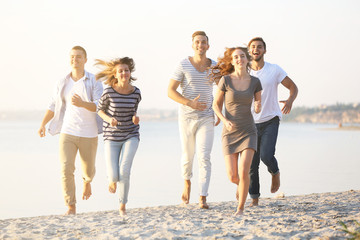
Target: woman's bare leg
x=246 y=157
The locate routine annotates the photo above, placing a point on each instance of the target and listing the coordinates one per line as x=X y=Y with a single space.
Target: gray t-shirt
x=192 y=84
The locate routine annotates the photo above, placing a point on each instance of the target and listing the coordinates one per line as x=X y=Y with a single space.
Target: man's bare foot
x=185 y=197
x=122 y=210
x=112 y=187
x=122 y=213
x=237 y=194
x=239 y=212
x=275 y=183
x=86 y=191
x=71 y=210
x=255 y=202
x=202 y=203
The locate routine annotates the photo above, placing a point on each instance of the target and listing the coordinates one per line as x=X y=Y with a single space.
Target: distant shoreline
x=299 y=217
x=339 y=114
x=344 y=128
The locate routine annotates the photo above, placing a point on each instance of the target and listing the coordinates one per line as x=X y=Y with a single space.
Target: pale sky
x=315 y=41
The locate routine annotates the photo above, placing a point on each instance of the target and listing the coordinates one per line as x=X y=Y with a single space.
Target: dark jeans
x=267 y=136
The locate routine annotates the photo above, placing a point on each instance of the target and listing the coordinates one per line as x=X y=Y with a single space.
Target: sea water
x=313 y=158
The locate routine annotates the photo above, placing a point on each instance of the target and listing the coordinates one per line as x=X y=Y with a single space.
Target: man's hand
x=289 y=84
x=195 y=104
x=77 y=101
x=287 y=106
x=42 y=131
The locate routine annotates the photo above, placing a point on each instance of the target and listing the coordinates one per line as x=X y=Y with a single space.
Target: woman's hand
x=113 y=122
x=217 y=120
x=257 y=106
x=135 y=120
x=228 y=125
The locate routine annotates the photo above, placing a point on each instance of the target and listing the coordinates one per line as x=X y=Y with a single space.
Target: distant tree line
x=338 y=112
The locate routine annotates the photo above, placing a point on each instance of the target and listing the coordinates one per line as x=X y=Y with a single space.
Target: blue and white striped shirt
x=192 y=84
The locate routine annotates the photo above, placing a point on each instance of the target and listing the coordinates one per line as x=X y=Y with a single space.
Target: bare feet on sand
x=202 y=203
x=112 y=187
x=275 y=183
x=122 y=210
x=239 y=212
x=71 y=210
x=255 y=202
x=86 y=191
x=185 y=197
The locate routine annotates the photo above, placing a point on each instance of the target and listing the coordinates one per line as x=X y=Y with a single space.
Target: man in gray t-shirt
x=196 y=117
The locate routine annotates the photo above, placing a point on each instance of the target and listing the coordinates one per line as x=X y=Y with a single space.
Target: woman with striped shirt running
x=117 y=107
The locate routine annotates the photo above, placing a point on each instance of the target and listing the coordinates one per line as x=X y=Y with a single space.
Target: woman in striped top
x=117 y=107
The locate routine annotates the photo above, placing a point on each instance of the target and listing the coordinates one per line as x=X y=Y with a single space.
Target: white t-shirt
x=78 y=121
x=271 y=75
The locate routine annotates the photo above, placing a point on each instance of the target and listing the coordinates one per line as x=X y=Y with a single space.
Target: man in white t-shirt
x=267 y=121
x=73 y=114
x=196 y=116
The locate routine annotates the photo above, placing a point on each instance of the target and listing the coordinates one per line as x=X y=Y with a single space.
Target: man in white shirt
x=196 y=116
x=73 y=114
x=267 y=121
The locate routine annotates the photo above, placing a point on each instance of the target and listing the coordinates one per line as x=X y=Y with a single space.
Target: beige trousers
x=68 y=146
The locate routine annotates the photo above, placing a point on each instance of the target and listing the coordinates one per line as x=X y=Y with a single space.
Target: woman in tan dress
x=237 y=90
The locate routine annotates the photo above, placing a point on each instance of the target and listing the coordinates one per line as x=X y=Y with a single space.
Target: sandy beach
x=314 y=216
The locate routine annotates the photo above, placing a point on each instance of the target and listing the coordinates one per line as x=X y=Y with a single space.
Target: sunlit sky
x=315 y=42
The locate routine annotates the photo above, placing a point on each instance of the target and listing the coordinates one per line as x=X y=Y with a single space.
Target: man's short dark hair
x=257 y=39
x=201 y=33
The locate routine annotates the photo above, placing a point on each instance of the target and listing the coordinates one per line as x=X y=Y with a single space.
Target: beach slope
x=314 y=216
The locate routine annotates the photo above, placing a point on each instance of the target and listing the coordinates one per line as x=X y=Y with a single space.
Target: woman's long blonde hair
x=224 y=66
x=108 y=73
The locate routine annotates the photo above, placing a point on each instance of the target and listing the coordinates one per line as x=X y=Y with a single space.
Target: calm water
x=312 y=159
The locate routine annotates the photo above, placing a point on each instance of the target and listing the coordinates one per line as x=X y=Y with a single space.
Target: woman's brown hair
x=224 y=66
x=109 y=69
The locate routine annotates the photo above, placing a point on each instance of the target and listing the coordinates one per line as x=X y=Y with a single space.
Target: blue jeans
x=267 y=136
x=119 y=158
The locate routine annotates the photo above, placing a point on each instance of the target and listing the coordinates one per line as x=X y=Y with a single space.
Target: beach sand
x=314 y=216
